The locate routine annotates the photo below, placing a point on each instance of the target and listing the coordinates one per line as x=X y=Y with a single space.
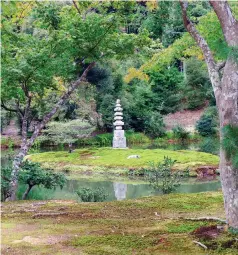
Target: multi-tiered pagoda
x=119 y=139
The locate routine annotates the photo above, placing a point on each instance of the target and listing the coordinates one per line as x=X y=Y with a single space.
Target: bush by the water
x=92 y=195
x=162 y=177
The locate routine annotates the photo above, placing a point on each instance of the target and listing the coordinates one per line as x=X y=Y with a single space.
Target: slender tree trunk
x=228 y=113
x=24 y=196
x=11 y=193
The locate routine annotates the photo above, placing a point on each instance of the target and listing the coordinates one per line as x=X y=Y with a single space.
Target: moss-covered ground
x=104 y=159
x=150 y=225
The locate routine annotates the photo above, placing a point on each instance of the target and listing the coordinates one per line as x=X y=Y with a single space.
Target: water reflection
x=120 y=190
x=115 y=190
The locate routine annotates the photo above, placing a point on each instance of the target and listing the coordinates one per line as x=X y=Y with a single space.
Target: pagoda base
x=119 y=140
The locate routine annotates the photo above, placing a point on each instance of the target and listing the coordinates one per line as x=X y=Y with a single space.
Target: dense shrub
x=196 y=87
x=162 y=177
x=210 y=145
x=165 y=86
x=154 y=125
x=206 y=126
x=104 y=139
x=180 y=133
x=90 y=195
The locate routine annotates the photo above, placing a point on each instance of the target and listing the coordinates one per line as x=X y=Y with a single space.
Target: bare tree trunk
x=24 y=196
x=226 y=93
x=11 y=193
x=27 y=143
x=228 y=113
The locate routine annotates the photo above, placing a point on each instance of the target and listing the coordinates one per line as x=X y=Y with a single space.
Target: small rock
x=133 y=156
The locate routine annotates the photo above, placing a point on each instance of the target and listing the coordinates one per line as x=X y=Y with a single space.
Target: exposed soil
x=186 y=119
x=207 y=232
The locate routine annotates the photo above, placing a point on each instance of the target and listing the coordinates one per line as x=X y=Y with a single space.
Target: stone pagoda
x=119 y=139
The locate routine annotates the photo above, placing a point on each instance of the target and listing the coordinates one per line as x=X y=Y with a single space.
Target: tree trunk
x=11 y=193
x=27 y=192
x=228 y=113
x=226 y=93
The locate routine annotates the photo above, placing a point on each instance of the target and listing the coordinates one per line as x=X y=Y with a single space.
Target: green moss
x=146 y=226
x=110 y=158
x=184 y=227
x=119 y=241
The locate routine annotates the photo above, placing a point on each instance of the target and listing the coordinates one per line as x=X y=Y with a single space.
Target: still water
x=116 y=190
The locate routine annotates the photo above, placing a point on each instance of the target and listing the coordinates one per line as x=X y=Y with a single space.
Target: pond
x=116 y=189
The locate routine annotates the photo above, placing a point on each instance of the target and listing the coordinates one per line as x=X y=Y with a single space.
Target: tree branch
x=5 y=178
x=25 y=119
x=19 y=109
x=220 y=65
x=213 y=73
x=76 y=6
x=61 y=101
x=7 y=108
x=227 y=20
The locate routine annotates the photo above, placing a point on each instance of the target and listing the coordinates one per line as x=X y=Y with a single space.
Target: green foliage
x=165 y=88
x=106 y=139
x=197 y=86
x=92 y=195
x=5 y=181
x=32 y=174
x=66 y=132
x=207 y=124
x=136 y=138
x=210 y=145
x=53 y=43
x=230 y=143
x=168 y=28
x=154 y=125
x=162 y=177
x=180 y=133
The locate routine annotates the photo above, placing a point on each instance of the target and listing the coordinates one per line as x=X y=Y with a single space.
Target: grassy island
x=104 y=159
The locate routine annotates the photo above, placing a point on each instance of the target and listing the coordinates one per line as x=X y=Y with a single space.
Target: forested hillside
x=151 y=64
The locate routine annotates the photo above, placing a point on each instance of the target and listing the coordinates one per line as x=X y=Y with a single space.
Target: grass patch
x=184 y=226
x=111 y=158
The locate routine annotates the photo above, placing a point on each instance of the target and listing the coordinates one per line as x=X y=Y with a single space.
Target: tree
x=32 y=174
x=225 y=88
x=51 y=49
x=66 y=132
